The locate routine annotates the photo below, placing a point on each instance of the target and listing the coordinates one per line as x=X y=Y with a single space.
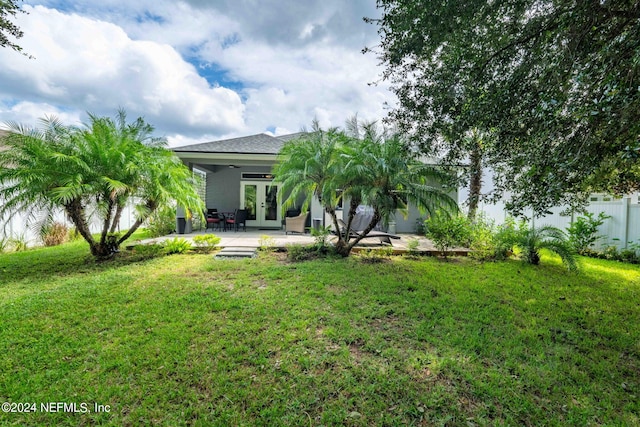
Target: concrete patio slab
x=254 y=238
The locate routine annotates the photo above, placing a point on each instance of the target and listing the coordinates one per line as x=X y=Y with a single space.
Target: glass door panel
x=260 y=199
x=250 y=201
x=271 y=203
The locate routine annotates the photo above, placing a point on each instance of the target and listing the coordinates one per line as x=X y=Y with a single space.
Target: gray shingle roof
x=252 y=144
x=291 y=136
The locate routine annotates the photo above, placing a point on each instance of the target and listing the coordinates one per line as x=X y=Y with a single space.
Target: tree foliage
x=8 y=9
x=92 y=172
x=358 y=166
x=556 y=82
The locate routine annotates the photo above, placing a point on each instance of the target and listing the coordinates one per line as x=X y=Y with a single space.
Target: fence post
x=625 y=221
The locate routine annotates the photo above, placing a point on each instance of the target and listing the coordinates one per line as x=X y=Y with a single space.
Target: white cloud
x=286 y=61
x=93 y=65
x=294 y=85
x=29 y=113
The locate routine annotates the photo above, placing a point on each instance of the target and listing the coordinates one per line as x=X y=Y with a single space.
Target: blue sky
x=198 y=70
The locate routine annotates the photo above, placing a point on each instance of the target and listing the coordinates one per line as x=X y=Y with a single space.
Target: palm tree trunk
x=353 y=207
x=152 y=206
x=116 y=218
x=75 y=211
x=107 y=222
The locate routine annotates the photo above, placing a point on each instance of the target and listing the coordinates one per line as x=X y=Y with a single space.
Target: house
x=238 y=175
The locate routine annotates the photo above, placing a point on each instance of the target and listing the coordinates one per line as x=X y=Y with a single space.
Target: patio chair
x=238 y=217
x=382 y=235
x=295 y=224
x=214 y=220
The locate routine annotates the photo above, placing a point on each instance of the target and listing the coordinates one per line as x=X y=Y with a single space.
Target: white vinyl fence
x=620 y=229
x=17 y=227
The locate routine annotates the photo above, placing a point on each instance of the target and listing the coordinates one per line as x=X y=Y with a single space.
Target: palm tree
x=387 y=176
x=361 y=166
x=532 y=240
x=92 y=171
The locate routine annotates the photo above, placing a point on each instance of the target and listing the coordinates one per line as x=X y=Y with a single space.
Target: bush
x=266 y=243
x=149 y=251
x=321 y=236
x=177 y=245
x=375 y=255
x=531 y=240
x=162 y=221
x=54 y=234
x=628 y=255
x=73 y=235
x=412 y=248
x=298 y=253
x=483 y=242
x=582 y=233
x=448 y=231
x=506 y=237
x=206 y=241
x=18 y=243
x=611 y=252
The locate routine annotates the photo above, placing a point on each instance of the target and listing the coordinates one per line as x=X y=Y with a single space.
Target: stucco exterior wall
x=223 y=186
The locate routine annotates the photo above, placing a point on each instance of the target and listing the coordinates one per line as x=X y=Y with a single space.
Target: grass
x=186 y=340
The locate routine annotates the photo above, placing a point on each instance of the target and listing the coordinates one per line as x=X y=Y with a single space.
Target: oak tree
x=555 y=82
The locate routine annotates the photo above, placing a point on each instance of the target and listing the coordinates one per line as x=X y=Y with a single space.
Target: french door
x=260 y=199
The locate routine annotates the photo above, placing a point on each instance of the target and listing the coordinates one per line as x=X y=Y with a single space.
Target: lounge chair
x=382 y=235
x=295 y=224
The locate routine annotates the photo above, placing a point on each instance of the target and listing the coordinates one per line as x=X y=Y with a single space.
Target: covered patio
x=237 y=174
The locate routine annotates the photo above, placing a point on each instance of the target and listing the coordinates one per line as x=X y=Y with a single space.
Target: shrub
x=628 y=255
x=298 y=253
x=266 y=243
x=375 y=255
x=177 y=245
x=206 y=241
x=412 y=248
x=153 y=250
x=611 y=252
x=320 y=236
x=447 y=231
x=582 y=232
x=18 y=243
x=531 y=240
x=73 y=235
x=632 y=253
x=506 y=236
x=162 y=221
x=54 y=234
x=483 y=243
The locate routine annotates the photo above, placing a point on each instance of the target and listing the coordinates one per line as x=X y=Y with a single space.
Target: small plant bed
x=183 y=340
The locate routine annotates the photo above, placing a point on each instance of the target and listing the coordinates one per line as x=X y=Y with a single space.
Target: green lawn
x=187 y=340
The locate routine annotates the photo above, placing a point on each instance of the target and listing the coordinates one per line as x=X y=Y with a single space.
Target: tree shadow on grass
x=41 y=264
